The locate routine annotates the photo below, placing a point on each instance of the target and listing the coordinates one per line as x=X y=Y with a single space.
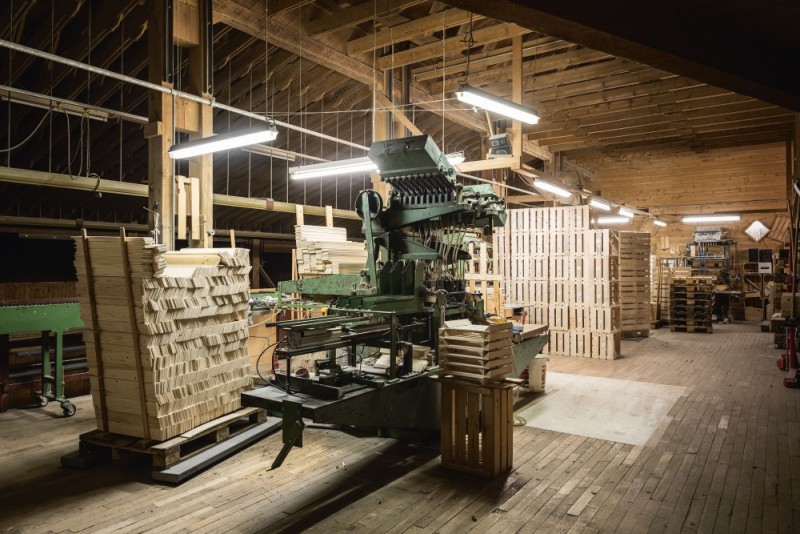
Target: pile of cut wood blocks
x=565 y=275
x=326 y=250
x=480 y=353
x=634 y=283
x=166 y=333
x=691 y=302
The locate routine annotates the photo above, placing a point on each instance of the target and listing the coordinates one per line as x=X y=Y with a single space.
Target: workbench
x=44 y=317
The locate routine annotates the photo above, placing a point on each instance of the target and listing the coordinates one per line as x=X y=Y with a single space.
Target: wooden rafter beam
x=254 y=23
x=352 y=16
x=409 y=30
x=451 y=46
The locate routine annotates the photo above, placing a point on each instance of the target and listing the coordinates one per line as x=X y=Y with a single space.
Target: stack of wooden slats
x=326 y=250
x=634 y=283
x=166 y=333
x=475 y=352
x=565 y=275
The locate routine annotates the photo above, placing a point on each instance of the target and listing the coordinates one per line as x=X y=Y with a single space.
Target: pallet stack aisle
x=566 y=275
x=634 y=280
x=691 y=303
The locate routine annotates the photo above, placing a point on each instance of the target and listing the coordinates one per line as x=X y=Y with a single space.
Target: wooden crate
x=477 y=425
x=476 y=352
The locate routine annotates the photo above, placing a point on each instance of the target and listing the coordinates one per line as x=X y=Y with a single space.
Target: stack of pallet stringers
x=166 y=333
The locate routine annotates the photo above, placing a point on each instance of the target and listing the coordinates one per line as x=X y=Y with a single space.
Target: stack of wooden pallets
x=566 y=275
x=326 y=250
x=691 y=302
x=634 y=283
x=480 y=353
x=166 y=333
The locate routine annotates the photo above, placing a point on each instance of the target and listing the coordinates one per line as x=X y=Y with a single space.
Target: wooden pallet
x=698 y=329
x=97 y=445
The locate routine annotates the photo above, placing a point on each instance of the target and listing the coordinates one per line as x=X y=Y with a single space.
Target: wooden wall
x=749 y=180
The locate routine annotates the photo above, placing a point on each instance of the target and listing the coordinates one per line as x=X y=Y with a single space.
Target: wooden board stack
x=166 y=333
x=566 y=275
x=634 y=283
x=691 y=301
x=326 y=250
x=482 y=275
x=480 y=353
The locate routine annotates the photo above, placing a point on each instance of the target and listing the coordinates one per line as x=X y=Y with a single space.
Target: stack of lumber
x=326 y=250
x=565 y=275
x=634 y=283
x=691 y=301
x=166 y=333
x=476 y=352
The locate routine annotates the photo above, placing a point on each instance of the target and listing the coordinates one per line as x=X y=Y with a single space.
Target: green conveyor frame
x=44 y=318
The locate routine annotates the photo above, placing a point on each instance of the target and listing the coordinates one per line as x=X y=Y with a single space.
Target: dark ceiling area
x=685 y=75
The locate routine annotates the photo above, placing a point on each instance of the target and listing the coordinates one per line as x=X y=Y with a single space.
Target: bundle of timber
x=166 y=333
x=634 y=283
x=691 y=301
x=475 y=352
x=326 y=250
x=565 y=275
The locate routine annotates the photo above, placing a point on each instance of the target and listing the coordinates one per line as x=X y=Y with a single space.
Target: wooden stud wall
x=567 y=277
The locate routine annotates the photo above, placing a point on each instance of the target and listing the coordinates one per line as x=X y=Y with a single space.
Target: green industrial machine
x=56 y=317
x=412 y=282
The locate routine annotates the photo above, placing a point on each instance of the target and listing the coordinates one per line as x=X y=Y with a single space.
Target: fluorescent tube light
x=613 y=220
x=221 y=142
x=599 y=204
x=455 y=158
x=625 y=212
x=332 y=168
x=551 y=188
x=276 y=153
x=659 y=222
x=482 y=99
x=710 y=218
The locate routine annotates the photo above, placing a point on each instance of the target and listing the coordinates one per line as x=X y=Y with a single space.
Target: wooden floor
x=729 y=461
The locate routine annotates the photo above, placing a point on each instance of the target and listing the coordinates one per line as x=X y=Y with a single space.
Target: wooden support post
x=195 y=211
x=160 y=129
x=329 y=216
x=180 y=182
x=232 y=234
x=202 y=167
x=516 y=97
x=300 y=219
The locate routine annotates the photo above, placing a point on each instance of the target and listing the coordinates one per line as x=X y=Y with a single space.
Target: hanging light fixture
x=348 y=166
x=332 y=168
x=625 y=212
x=552 y=188
x=599 y=204
x=613 y=220
x=710 y=218
x=455 y=158
x=659 y=222
x=501 y=106
x=222 y=142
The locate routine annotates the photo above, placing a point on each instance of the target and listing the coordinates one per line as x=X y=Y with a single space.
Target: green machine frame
x=44 y=318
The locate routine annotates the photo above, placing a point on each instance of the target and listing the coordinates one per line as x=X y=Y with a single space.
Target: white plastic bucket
x=537 y=372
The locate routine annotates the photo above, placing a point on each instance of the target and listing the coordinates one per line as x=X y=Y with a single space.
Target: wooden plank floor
x=728 y=461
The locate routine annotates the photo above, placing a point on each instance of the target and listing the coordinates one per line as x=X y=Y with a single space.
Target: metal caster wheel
x=69 y=409
x=41 y=401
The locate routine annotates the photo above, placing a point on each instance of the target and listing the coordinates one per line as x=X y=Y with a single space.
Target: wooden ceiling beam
x=450 y=46
x=403 y=32
x=352 y=16
x=252 y=23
